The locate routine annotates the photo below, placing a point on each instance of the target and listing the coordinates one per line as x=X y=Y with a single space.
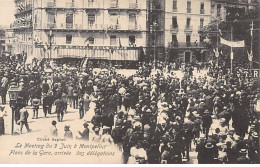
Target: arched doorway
x=187 y=56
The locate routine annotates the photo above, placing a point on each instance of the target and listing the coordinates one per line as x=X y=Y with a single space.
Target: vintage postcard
x=129 y=81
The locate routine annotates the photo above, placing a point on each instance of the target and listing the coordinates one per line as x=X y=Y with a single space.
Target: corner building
x=98 y=29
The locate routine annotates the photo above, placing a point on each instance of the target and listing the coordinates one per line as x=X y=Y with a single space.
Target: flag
x=120 y=45
x=235 y=44
x=250 y=56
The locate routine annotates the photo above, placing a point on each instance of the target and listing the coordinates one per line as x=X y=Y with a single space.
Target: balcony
x=174 y=28
x=188 y=28
x=173 y=44
x=202 y=11
x=133 y=5
x=51 y=4
x=114 y=27
x=114 y=5
x=133 y=27
x=70 y=5
x=51 y=25
x=95 y=27
x=188 y=44
x=69 y=25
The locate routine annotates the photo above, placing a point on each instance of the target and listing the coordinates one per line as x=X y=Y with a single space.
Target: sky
x=7 y=8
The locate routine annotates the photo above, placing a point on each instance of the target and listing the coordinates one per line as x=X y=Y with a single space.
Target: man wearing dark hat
x=200 y=148
x=85 y=134
x=60 y=106
x=206 y=122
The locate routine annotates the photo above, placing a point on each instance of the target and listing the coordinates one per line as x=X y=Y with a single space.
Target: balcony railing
x=188 y=44
x=202 y=11
x=133 y=5
x=51 y=25
x=51 y=4
x=69 y=25
x=133 y=27
x=114 y=27
x=113 y=5
x=174 y=28
x=95 y=27
x=188 y=28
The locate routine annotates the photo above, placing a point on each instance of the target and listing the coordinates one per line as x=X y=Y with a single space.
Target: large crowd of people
x=151 y=117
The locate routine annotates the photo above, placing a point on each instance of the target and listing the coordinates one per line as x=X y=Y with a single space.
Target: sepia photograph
x=129 y=81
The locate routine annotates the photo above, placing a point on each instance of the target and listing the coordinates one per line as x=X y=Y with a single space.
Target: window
x=112 y=40
x=188 y=23
x=113 y=3
x=174 y=39
x=212 y=8
x=91 y=20
x=131 y=39
x=188 y=6
x=218 y=9
x=90 y=3
x=187 y=38
x=68 y=39
x=174 y=5
x=51 y=20
x=201 y=39
x=113 y=19
x=201 y=23
x=91 y=40
x=202 y=11
x=132 y=21
x=69 y=20
x=174 y=22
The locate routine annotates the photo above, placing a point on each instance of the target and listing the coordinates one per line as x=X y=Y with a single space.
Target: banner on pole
x=236 y=44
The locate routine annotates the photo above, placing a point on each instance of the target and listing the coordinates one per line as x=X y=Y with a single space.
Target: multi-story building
x=109 y=29
x=224 y=9
x=117 y=29
x=184 y=21
x=9 y=41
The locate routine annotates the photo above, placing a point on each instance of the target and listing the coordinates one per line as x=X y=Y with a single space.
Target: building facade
x=114 y=29
x=117 y=29
x=184 y=21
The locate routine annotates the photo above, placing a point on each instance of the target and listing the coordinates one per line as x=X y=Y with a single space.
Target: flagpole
x=231 y=54
x=251 y=52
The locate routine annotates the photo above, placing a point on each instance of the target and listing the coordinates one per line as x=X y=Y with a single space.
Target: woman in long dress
x=2 y=123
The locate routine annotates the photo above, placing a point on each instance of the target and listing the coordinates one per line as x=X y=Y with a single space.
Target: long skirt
x=2 y=126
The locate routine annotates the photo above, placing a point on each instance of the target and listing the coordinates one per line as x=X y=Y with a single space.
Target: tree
x=240 y=24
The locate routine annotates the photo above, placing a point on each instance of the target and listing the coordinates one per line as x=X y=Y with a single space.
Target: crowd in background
x=151 y=118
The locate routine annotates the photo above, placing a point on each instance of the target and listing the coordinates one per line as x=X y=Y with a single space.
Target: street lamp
x=155 y=26
x=13 y=95
x=50 y=36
